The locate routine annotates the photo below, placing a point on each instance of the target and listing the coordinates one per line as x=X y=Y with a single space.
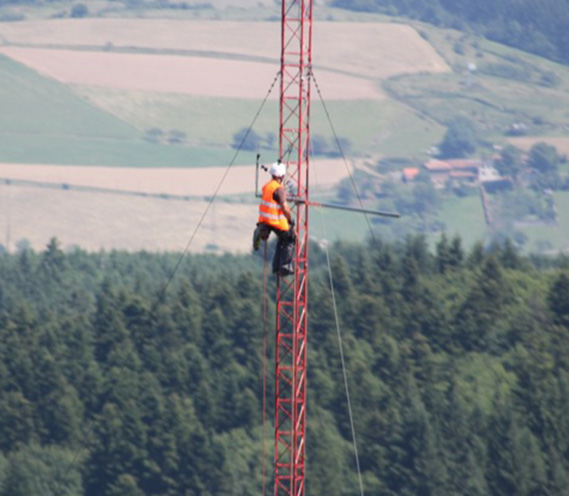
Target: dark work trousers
x=283 y=257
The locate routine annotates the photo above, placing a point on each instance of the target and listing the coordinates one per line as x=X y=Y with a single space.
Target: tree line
x=112 y=384
x=536 y=26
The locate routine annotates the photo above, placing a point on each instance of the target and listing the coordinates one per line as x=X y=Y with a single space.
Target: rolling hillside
x=185 y=77
x=178 y=98
x=35 y=105
x=44 y=121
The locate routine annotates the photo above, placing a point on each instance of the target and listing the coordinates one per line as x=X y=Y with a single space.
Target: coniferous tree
x=482 y=306
x=443 y=252
x=458 y=381
x=456 y=254
x=476 y=256
x=35 y=470
x=558 y=299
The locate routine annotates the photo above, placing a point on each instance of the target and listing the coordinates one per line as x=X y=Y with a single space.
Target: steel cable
x=341 y=350
x=342 y=153
x=162 y=292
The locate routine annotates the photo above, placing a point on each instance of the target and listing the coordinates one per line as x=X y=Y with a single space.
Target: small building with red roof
x=437 y=166
x=409 y=174
x=457 y=170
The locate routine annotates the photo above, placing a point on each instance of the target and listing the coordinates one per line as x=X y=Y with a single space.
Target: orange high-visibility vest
x=270 y=212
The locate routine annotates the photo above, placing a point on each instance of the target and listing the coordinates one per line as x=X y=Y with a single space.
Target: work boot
x=286 y=270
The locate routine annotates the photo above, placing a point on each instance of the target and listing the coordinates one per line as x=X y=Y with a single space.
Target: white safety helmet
x=277 y=169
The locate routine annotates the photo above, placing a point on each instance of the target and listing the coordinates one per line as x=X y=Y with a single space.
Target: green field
x=37 y=106
x=44 y=122
x=205 y=120
x=71 y=150
x=493 y=103
x=335 y=225
x=386 y=128
x=550 y=239
x=461 y=216
x=506 y=86
x=373 y=127
x=464 y=216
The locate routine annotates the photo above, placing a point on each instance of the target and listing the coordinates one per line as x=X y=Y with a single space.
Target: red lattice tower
x=291 y=325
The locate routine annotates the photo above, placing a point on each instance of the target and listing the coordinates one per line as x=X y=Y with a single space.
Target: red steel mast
x=291 y=315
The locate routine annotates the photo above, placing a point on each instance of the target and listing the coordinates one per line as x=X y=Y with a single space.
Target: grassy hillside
x=551 y=239
x=43 y=121
x=507 y=86
x=373 y=127
x=492 y=85
x=36 y=106
x=537 y=27
x=461 y=216
x=84 y=150
x=504 y=86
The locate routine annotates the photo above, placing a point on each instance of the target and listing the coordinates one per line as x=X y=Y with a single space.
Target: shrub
x=79 y=10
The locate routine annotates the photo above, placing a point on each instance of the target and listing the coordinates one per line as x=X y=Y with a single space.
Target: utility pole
x=291 y=297
x=291 y=315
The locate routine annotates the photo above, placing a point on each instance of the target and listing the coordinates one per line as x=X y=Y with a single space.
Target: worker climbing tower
x=291 y=315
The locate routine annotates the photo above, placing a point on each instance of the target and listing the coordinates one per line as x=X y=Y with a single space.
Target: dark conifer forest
x=457 y=364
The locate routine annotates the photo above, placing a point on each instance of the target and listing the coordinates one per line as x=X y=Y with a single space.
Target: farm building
x=409 y=174
x=455 y=171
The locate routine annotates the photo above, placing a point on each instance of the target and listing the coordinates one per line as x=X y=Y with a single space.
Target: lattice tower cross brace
x=291 y=315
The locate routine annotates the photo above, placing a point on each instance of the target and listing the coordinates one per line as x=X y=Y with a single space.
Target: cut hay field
x=43 y=121
x=370 y=50
x=100 y=220
x=175 y=74
x=192 y=182
x=33 y=105
x=196 y=81
x=96 y=221
x=91 y=92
